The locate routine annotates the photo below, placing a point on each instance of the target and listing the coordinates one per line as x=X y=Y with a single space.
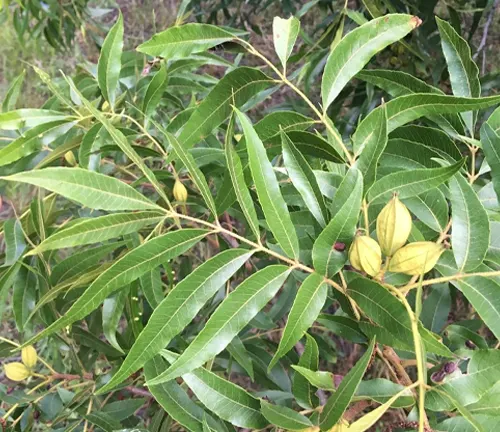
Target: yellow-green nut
x=16 y=371
x=29 y=357
x=416 y=258
x=70 y=158
x=180 y=192
x=393 y=226
x=365 y=255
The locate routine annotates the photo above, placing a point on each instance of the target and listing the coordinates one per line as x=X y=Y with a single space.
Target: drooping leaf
x=178 y=309
x=154 y=91
x=284 y=417
x=181 y=41
x=29 y=118
x=431 y=208
x=112 y=310
x=24 y=297
x=96 y=230
x=436 y=308
x=88 y=188
x=174 y=400
x=229 y=318
x=386 y=311
x=470 y=228
x=235 y=169
x=268 y=191
x=304 y=180
x=411 y=183
x=240 y=354
x=490 y=141
x=356 y=49
x=371 y=143
x=307 y=305
x=235 y=88
x=229 y=401
x=196 y=174
x=464 y=73
x=481 y=292
x=109 y=65
x=339 y=401
x=15 y=243
x=347 y=203
x=152 y=287
x=302 y=389
x=124 y=271
x=285 y=33
x=13 y=92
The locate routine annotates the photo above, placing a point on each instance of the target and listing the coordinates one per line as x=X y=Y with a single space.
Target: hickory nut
x=180 y=192
x=393 y=226
x=416 y=258
x=365 y=255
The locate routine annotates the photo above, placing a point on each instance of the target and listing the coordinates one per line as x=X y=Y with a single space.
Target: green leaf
x=320 y=379
x=304 y=180
x=228 y=320
x=356 y=49
x=178 y=309
x=90 y=143
x=381 y=390
x=470 y=229
x=285 y=33
x=181 y=41
x=302 y=389
x=308 y=304
x=196 y=174
x=368 y=420
x=124 y=271
x=238 y=179
x=464 y=73
x=24 y=297
x=339 y=401
x=229 y=401
x=112 y=310
x=174 y=399
x=109 y=65
x=15 y=243
x=482 y=374
x=268 y=191
x=238 y=351
x=481 y=292
x=121 y=410
x=405 y=109
x=236 y=88
x=102 y=421
x=347 y=202
x=370 y=143
x=13 y=92
x=385 y=310
x=155 y=90
x=152 y=287
x=430 y=208
x=283 y=417
x=100 y=229
x=490 y=142
x=93 y=190
x=436 y=307
x=28 y=118
x=121 y=141
x=411 y=183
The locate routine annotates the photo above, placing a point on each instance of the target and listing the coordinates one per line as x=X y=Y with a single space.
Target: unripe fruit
x=365 y=255
x=70 y=158
x=393 y=226
x=416 y=258
x=180 y=192
x=16 y=371
x=29 y=357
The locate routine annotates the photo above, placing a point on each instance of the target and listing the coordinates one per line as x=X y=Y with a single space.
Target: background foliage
x=180 y=201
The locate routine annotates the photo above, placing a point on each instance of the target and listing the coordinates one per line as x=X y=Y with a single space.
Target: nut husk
x=393 y=226
x=416 y=258
x=365 y=255
x=180 y=192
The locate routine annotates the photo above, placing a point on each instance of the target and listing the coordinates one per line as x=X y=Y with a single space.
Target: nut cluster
x=394 y=225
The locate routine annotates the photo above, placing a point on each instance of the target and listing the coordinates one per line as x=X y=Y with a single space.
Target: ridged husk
x=180 y=192
x=393 y=226
x=365 y=255
x=416 y=258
